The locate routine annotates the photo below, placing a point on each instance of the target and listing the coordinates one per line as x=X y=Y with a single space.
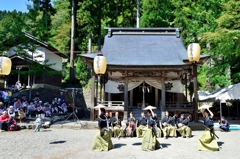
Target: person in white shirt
x=38 y=123
x=11 y=112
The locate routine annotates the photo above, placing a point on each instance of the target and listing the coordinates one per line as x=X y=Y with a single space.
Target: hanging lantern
x=100 y=64
x=5 y=65
x=193 y=52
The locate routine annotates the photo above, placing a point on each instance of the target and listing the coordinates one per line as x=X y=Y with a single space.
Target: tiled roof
x=143 y=47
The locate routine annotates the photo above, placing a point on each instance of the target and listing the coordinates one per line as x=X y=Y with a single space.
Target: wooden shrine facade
x=142 y=58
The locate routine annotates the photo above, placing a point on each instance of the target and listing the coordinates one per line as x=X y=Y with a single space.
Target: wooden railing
x=177 y=105
x=113 y=105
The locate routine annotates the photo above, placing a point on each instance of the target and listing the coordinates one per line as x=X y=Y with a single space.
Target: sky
x=10 y=5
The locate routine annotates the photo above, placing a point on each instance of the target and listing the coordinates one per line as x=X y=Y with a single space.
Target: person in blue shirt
x=224 y=124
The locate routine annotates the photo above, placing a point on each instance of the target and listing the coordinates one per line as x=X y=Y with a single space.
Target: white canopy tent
x=231 y=92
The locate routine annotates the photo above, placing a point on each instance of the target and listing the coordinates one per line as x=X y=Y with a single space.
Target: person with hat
x=183 y=126
x=11 y=112
x=149 y=141
x=4 y=121
x=102 y=140
x=207 y=142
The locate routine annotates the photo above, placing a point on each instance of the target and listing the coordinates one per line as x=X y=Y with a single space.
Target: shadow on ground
x=119 y=145
x=165 y=145
x=57 y=142
x=137 y=144
x=45 y=130
x=220 y=143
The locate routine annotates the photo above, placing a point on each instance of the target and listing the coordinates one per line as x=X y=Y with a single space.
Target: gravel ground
x=76 y=144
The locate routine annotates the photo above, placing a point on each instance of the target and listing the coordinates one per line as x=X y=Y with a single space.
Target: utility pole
x=138 y=13
x=72 y=43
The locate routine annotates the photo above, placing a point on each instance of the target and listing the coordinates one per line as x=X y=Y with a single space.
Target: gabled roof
x=39 y=42
x=143 y=47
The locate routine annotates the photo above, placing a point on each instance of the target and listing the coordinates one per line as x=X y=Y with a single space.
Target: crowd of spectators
x=21 y=108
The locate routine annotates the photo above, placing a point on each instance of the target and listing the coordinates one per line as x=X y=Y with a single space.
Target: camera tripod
x=73 y=114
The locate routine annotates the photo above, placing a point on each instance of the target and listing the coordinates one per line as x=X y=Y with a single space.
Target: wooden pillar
x=92 y=97
x=29 y=77
x=125 y=99
x=19 y=77
x=143 y=99
x=156 y=97
x=131 y=98
x=100 y=98
x=163 y=104
x=195 y=93
x=96 y=90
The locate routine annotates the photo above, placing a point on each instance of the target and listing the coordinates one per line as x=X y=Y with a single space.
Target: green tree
x=225 y=45
x=157 y=13
x=195 y=18
x=81 y=72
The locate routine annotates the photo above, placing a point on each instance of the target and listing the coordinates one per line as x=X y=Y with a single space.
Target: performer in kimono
x=208 y=141
x=130 y=125
x=109 y=123
x=141 y=129
x=117 y=126
x=183 y=126
x=169 y=126
x=150 y=142
x=159 y=130
x=102 y=140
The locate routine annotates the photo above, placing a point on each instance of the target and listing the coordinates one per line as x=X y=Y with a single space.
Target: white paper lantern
x=193 y=52
x=100 y=64
x=5 y=65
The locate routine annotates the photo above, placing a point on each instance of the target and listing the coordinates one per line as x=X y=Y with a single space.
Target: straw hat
x=149 y=107
x=99 y=106
x=205 y=107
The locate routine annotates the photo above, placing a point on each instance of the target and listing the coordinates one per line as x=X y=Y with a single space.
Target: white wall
x=38 y=55
x=41 y=54
x=54 y=59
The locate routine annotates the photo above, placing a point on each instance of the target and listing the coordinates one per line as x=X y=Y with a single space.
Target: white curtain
x=177 y=86
x=112 y=86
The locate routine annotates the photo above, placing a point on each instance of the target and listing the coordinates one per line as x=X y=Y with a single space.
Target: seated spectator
x=55 y=100
x=64 y=107
x=47 y=109
x=40 y=110
x=17 y=105
x=11 y=112
x=54 y=107
x=5 y=98
x=2 y=106
x=25 y=106
x=36 y=104
x=224 y=124
x=61 y=97
x=4 y=121
x=31 y=110
x=24 y=98
x=60 y=110
x=1 y=111
x=21 y=115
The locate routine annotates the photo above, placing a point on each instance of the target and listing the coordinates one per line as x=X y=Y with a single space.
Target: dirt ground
x=76 y=144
